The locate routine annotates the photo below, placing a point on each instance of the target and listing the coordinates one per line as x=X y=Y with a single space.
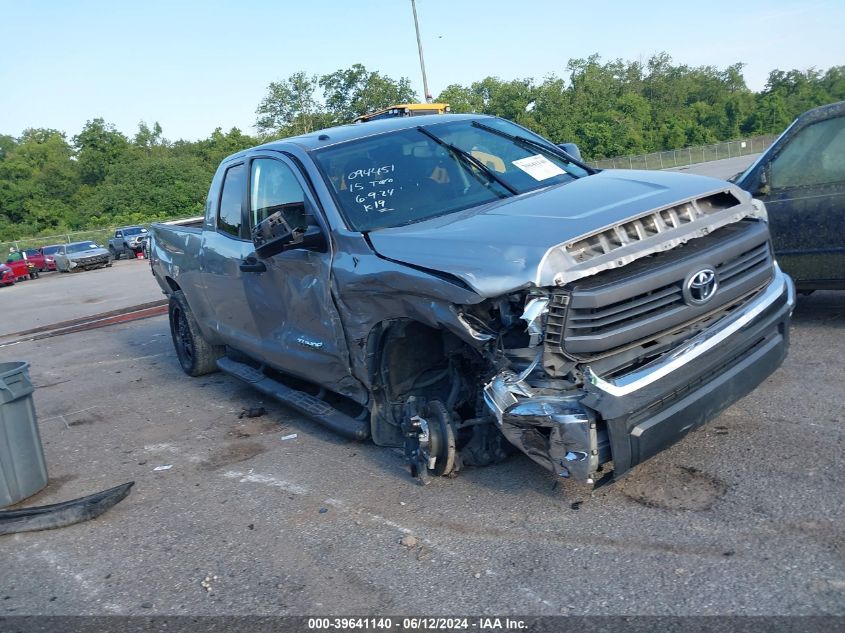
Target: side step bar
x=306 y=404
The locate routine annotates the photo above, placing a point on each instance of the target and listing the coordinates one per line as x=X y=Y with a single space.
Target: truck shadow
x=821 y=308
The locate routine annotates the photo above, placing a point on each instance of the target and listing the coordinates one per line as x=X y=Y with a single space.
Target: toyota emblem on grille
x=700 y=286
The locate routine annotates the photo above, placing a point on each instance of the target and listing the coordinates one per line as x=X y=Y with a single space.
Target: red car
x=20 y=269
x=48 y=252
x=7 y=276
x=36 y=257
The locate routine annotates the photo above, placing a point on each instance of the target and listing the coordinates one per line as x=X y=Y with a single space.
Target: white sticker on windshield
x=538 y=167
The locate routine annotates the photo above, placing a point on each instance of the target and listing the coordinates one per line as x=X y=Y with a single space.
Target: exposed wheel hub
x=429 y=439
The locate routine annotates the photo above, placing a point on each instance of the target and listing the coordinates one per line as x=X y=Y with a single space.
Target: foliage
x=292 y=106
x=101 y=177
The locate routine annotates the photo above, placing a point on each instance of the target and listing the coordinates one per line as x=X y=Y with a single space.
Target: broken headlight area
x=536 y=407
x=553 y=430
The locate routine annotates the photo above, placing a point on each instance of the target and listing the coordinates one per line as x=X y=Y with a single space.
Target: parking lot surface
x=276 y=515
x=56 y=297
x=724 y=168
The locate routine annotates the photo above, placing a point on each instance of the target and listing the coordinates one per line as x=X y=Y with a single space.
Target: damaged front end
x=541 y=416
x=619 y=343
x=604 y=372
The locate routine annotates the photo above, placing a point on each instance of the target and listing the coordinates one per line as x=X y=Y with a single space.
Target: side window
x=273 y=188
x=814 y=156
x=229 y=218
x=118 y=234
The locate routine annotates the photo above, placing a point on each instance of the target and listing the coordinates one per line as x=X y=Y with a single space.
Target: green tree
x=354 y=91
x=148 y=137
x=98 y=146
x=290 y=107
x=148 y=186
x=38 y=179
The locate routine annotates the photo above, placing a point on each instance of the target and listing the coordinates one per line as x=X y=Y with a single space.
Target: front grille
x=641 y=228
x=94 y=259
x=644 y=300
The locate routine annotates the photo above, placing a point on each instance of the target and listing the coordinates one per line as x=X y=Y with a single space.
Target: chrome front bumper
x=629 y=418
x=698 y=345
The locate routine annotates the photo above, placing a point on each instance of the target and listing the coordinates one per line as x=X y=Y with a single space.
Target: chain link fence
x=688 y=155
x=100 y=236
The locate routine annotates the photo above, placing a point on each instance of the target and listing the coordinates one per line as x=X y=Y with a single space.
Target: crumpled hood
x=500 y=247
x=91 y=252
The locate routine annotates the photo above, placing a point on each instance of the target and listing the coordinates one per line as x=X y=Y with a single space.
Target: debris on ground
x=292 y=436
x=409 y=541
x=576 y=505
x=165 y=467
x=252 y=412
x=63 y=514
x=206 y=583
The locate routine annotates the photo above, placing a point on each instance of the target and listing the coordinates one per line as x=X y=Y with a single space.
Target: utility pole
x=419 y=46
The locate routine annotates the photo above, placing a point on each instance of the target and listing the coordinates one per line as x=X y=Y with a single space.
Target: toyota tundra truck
x=457 y=286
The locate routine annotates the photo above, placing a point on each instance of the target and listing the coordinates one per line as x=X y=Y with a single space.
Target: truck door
x=806 y=203
x=290 y=296
x=225 y=244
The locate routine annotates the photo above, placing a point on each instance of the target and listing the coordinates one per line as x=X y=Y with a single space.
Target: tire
x=196 y=355
x=113 y=252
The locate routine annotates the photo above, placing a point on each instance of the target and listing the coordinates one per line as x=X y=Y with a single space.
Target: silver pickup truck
x=457 y=285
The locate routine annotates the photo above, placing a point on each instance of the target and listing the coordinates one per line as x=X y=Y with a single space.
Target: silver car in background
x=81 y=256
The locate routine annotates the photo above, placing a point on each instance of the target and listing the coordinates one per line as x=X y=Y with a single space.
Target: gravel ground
x=745 y=516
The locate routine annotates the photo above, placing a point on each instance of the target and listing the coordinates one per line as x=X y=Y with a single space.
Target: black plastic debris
x=62 y=514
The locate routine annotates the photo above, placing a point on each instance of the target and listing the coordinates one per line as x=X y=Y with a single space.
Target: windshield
x=413 y=174
x=80 y=247
x=134 y=231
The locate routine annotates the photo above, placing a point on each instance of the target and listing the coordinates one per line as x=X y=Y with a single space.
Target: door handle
x=252 y=265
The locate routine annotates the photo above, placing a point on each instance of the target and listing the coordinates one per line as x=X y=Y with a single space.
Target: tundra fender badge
x=700 y=286
x=309 y=343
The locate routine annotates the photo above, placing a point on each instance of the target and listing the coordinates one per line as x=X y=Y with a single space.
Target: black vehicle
x=801 y=178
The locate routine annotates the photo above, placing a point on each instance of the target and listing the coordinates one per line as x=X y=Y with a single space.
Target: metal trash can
x=23 y=471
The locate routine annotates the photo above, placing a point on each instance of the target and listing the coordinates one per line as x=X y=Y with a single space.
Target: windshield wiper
x=469 y=158
x=530 y=142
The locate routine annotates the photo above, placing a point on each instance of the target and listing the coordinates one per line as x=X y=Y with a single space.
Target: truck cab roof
x=327 y=137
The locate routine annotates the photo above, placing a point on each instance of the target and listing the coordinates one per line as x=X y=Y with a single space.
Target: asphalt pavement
x=55 y=297
x=724 y=168
x=276 y=515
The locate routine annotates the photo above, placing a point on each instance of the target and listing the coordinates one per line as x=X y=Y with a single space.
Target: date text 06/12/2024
x=417 y=624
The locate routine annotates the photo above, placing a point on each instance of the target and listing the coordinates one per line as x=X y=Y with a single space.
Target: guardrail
x=688 y=155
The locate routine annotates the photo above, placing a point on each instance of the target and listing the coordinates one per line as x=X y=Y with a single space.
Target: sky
x=195 y=65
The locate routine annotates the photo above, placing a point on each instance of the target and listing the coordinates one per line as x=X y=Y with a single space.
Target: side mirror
x=274 y=235
x=571 y=149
